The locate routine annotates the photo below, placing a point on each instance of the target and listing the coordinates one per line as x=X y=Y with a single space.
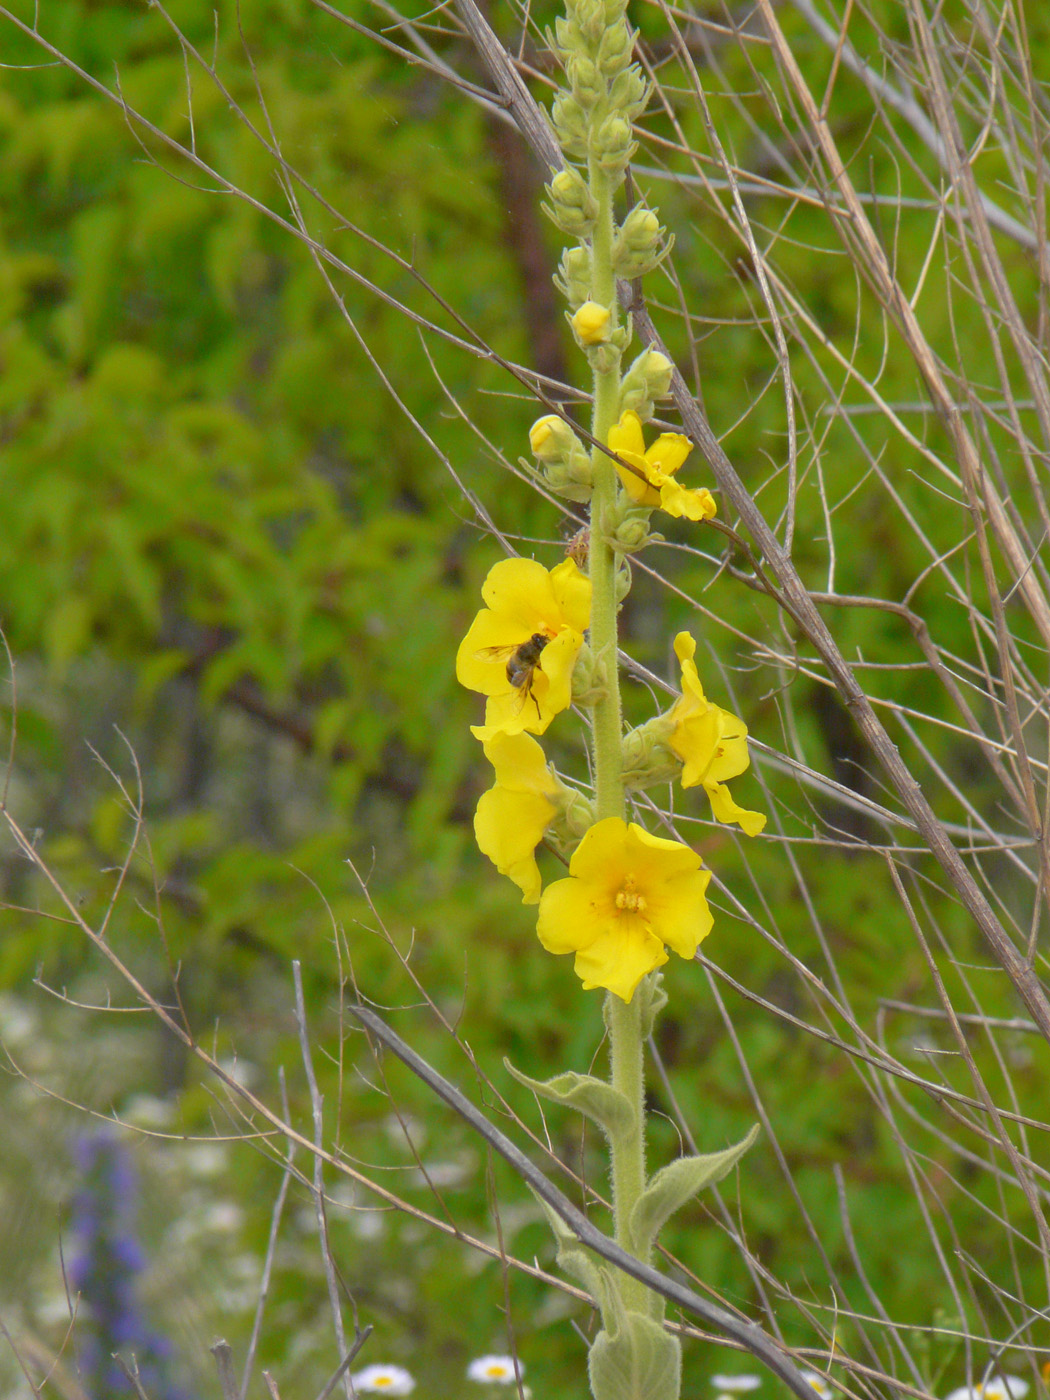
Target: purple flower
x=103 y=1272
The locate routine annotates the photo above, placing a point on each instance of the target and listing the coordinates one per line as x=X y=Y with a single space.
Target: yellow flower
x=628 y=898
x=520 y=650
x=513 y=815
x=591 y=323
x=711 y=742
x=652 y=483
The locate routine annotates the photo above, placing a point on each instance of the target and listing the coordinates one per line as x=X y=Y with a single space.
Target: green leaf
x=640 y=1361
x=595 y=1099
x=574 y=1258
x=677 y=1183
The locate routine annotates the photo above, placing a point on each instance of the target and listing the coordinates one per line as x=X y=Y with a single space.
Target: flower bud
x=551 y=438
x=566 y=462
x=566 y=38
x=621 y=580
x=590 y=17
x=573 y=278
x=576 y=815
x=616 y=49
x=588 y=678
x=570 y=124
x=647 y=757
x=591 y=323
x=573 y=208
x=648 y=379
x=629 y=93
x=588 y=86
x=638 y=246
x=625 y=526
x=612 y=146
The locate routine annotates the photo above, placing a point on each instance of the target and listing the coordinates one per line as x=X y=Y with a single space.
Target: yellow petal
x=656 y=858
x=571 y=916
x=520 y=763
x=519 y=591
x=695 y=738
x=571 y=590
x=514 y=712
x=679 y=910
x=620 y=958
x=731 y=757
x=508 y=827
x=678 y=501
x=481 y=661
x=726 y=810
x=668 y=452
x=626 y=437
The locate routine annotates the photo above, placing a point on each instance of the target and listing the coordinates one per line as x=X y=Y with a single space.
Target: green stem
x=623 y=1021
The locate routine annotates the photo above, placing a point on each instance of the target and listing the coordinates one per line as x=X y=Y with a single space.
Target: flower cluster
x=383 y=1378
x=629 y=896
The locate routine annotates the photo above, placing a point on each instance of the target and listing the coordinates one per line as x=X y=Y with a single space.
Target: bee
x=521 y=664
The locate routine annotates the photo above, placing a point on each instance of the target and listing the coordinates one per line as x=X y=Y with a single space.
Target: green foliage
x=220 y=537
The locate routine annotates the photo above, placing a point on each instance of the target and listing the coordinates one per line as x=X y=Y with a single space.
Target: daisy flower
x=997 y=1388
x=495 y=1370
x=382 y=1379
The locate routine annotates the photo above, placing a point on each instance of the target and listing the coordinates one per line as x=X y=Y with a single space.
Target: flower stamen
x=628 y=899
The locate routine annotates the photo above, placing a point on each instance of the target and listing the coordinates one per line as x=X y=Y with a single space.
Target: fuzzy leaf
x=677 y=1183
x=640 y=1362
x=574 y=1258
x=594 y=1098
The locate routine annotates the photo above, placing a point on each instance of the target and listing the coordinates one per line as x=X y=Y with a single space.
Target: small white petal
x=744 y=1382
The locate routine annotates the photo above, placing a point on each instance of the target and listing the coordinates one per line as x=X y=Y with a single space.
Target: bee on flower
x=521 y=648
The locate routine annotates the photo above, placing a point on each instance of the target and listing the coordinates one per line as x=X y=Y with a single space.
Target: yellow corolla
x=513 y=815
x=711 y=742
x=520 y=650
x=652 y=482
x=628 y=898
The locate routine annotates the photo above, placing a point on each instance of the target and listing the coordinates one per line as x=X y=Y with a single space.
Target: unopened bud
x=551 y=438
x=638 y=244
x=589 y=683
x=616 y=49
x=573 y=278
x=629 y=93
x=647 y=380
x=587 y=83
x=570 y=124
x=590 y=16
x=572 y=208
x=577 y=813
x=591 y=323
x=647 y=756
x=566 y=463
x=612 y=146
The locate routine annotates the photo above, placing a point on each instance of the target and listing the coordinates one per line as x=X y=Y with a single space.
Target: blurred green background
x=232 y=568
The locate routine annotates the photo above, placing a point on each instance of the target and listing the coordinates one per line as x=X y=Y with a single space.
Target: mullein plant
x=547 y=639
